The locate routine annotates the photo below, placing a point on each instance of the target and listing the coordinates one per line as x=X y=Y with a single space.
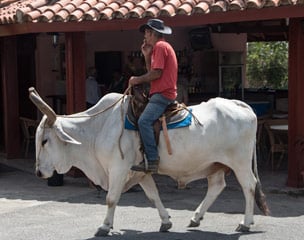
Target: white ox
x=95 y=142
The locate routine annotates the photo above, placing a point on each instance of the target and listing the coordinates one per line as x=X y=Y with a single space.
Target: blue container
x=260 y=108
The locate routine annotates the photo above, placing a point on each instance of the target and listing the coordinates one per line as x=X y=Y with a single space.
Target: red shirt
x=163 y=57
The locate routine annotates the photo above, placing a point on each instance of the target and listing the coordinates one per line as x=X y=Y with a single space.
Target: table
x=282 y=127
x=280 y=115
x=278 y=138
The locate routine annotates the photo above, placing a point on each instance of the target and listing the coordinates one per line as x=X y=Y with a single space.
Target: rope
x=126 y=92
x=164 y=124
x=101 y=111
x=122 y=130
x=38 y=154
x=194 y=117
x=183 y=106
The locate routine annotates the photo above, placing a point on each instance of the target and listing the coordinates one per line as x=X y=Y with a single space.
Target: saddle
x=174 y=113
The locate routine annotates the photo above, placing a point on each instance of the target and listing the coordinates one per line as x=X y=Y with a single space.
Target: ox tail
x=260 y=197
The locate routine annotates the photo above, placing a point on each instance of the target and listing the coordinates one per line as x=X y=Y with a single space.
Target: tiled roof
x=19 y=11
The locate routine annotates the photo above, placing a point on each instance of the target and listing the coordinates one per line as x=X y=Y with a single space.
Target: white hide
x=227 y=136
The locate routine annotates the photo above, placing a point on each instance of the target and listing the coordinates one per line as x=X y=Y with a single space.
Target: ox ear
x=63 y=135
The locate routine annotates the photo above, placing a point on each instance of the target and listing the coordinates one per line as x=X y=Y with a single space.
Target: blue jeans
x=154 y=109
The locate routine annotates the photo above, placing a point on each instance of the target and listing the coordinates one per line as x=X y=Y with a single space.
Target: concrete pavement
x=29 y=209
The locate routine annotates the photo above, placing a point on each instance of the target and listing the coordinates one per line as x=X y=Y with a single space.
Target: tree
x=267 y=65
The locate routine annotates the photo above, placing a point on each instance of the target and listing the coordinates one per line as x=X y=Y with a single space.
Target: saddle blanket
x=184 y=122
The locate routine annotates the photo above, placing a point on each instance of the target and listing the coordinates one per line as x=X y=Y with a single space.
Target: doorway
x=2 y=115
x=23 y=78
x=106 y=64
x=26 y=45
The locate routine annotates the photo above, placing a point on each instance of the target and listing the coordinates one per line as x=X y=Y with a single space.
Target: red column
x=10 y=96
x=296 y=103
x=75 y=71
x=75 y=78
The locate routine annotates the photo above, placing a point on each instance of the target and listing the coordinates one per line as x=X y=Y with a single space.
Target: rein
x=44 y=126
x=102 y=111
x=126 y=92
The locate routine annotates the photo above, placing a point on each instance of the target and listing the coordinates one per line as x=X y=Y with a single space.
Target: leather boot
x=151 y=168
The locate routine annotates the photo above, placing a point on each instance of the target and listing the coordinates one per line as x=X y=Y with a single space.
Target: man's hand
x=133 y=80
x=146 y=49
x=146 y=78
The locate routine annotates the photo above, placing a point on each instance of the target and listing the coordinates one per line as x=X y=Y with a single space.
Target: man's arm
x=146 y=50
x=146 y=78
x=148 y=62
x=151 y=74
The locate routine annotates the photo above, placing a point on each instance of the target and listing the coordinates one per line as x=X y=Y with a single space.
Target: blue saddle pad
x=182 y=123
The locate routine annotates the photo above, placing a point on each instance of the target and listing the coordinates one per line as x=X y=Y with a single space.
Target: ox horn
x=42 y=106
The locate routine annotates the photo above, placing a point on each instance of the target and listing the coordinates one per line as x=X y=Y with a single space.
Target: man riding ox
x=161 y=64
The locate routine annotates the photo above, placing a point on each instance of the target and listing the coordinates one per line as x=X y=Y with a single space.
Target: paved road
x=30 y=210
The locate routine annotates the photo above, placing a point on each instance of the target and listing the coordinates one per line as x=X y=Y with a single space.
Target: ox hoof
x=193 y=224
x=242 y=228
x=102 y=232
x=165 y=227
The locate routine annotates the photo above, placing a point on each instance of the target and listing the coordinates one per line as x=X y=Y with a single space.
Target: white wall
x=126 y=41
x=46 y=58
x=228 y=42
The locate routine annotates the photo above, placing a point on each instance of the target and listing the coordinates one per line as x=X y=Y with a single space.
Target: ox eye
x=44 y=142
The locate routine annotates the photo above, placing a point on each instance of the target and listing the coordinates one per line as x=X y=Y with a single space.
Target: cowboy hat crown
x=157 y=25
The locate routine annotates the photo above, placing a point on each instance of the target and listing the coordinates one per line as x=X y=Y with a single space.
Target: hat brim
x=166 y=30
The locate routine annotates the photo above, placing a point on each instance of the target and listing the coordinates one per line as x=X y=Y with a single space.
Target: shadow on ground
x=127 y=234
x=17 y=185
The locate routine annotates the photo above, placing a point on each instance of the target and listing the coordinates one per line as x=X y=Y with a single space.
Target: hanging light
x=55 y=39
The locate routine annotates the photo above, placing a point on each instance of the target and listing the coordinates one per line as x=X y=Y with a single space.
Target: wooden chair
x=260 y=143
x=278 y=140
x=262 y=138
x=28 y=127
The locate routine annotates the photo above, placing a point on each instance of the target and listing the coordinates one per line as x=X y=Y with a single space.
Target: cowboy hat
x=157 y=25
